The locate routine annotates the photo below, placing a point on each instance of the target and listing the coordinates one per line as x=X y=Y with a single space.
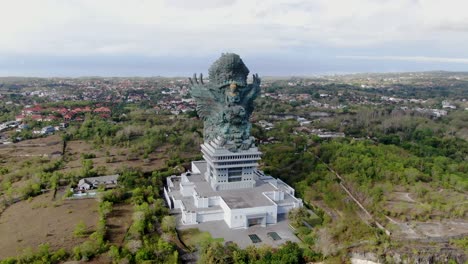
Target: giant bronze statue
x=225 y=103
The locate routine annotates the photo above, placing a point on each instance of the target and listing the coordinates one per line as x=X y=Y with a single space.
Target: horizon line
x=314 y=75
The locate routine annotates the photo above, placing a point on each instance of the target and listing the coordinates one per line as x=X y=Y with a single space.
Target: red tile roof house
x=50 y=118
x=68 y=116
x=20 y=118
x=102 y=110
x=62 y=111
x=36 y=118
x=77 y=110
x=32 y=110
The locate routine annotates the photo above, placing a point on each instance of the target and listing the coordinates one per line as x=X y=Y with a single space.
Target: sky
x=274 y=37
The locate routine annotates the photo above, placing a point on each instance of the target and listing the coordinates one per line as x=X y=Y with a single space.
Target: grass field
x=39 y=147
x=41 y=220
x=111 y=158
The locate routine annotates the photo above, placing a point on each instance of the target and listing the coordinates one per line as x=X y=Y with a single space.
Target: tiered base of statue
x=228 y=186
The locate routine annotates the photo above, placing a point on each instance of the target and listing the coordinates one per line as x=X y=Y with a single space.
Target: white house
x=109 y=181
x=47 y=130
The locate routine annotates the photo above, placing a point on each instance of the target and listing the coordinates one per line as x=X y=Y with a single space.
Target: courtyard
x=219 y=229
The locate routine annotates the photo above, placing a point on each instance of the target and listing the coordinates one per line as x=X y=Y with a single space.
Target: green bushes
x=4 y=170
x=42 y=255
x=88 y=155
x=30 y=189
x=115 y=196
x=289 y=253
x=168 y=224
x=96 y=243
x=80 y=229
x=85 y=251
x=298 y=216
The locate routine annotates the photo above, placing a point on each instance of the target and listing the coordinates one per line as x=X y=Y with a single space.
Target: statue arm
x=252 y=93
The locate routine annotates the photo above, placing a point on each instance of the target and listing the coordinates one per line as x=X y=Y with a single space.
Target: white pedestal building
x=228 y=186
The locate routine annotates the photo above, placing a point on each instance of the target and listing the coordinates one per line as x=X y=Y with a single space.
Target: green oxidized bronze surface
x=225 y=103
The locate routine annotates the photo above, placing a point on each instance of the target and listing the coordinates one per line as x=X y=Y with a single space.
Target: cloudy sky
x=275 y=37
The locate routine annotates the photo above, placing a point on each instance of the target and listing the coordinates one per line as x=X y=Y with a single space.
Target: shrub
x=168 y=224
x=80 y=229
x=88 y=155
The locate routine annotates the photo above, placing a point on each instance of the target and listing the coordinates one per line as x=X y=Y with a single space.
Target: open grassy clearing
x=39 y=147
x=111 y=158
x=413 y=216
x=42 y=220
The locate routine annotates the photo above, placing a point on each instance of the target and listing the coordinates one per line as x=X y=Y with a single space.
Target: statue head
x=227 y=69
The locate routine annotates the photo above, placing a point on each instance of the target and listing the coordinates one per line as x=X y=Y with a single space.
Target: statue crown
x=227 y=69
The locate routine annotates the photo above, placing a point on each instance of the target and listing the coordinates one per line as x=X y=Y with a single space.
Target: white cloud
x=83 y=27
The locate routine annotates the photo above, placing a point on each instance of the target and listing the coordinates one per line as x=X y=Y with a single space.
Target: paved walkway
x=219 y=229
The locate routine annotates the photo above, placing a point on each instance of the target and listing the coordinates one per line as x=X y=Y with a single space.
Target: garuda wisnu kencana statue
x=225 y=103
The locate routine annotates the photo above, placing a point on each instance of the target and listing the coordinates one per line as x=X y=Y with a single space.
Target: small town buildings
x=448 y=105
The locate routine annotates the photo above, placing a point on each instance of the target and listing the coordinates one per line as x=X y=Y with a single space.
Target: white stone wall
x=200 y=202
x=208 y=216
x=168 y=200
x=195 y=169
x=188 y=218
x=227 y=212
x=214 y=201
x=282 y=209
x=177 y=203
x=187 y=189
x=239 y=216
x=275 y=195
x=235 y=185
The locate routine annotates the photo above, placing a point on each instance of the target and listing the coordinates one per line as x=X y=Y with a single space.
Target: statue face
x=232 y=96
x=233 y=87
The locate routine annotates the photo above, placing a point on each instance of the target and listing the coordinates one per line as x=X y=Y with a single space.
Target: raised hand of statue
x=256 y=80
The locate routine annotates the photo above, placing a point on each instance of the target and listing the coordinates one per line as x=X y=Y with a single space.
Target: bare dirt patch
x=39 y=147
x=443 y=228
x=41 y=220
x=111 y=158
x=118 y=222
x=427 y=216
x=401 y=196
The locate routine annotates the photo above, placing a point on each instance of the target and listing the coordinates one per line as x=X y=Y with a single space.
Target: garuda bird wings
x=209 y=101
